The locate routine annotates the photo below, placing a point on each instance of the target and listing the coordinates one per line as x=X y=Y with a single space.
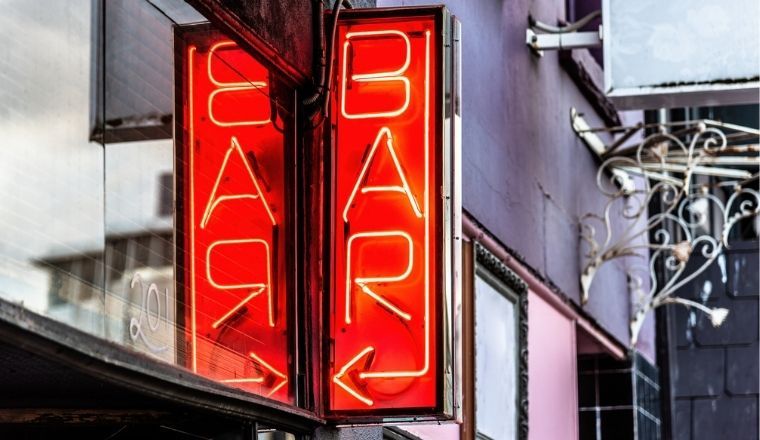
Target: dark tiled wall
x=714 y=371
x=618 y=400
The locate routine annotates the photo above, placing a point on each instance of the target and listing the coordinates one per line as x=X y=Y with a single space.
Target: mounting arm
x=541 y=36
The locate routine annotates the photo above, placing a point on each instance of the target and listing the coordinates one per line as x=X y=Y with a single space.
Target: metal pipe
x=324 y=79
x=320 y=65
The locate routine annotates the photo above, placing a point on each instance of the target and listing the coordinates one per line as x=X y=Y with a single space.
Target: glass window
x=52 y=233
x=93 y=114
x=133 y=114
x=496 y=354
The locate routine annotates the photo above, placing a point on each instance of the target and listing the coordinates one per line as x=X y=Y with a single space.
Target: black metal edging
x=441 y=15
x=117 y=365
x=492 y=264
x=231 y=23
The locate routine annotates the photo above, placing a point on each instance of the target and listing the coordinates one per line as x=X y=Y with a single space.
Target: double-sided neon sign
x=388 y=288
x=389 y=279
x=235 y=213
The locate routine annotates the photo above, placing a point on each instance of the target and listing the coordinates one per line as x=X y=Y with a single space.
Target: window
x=90 y=113
x=496 y=357
x=499 y=374
x=52 y=185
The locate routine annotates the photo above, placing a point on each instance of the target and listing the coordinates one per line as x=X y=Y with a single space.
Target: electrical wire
x=331 y=58
x=321 y=96
x=320 y=36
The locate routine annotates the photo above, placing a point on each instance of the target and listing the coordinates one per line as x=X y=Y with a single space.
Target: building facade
x=97 y=125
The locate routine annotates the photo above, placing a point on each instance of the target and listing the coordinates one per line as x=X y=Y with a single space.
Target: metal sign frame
x=290 y=233
x=446 y=111
x=710 y=93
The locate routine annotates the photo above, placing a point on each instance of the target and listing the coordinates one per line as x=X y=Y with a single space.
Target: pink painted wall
x=434 y=432
x=552 y=383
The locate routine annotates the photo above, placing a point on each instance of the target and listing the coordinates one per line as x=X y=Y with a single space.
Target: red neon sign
x=387 y=216
x=235 y=217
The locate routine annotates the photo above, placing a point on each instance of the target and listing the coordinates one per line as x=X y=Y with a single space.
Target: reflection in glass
x=51 y=174
x=87 y=184
x=86 y=228
x=135 y=75
x=140 y=301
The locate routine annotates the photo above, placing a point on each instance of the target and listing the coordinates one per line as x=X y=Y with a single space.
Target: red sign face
x=387 y=216
x=236 y=217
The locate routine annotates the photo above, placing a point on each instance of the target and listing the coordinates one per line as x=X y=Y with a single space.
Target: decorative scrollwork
x=666 y=165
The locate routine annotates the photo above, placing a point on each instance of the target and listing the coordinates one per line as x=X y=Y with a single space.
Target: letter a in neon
x=384 y=133
x=214 y=201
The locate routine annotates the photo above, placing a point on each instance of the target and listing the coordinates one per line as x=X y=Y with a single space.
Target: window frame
x=480 y=262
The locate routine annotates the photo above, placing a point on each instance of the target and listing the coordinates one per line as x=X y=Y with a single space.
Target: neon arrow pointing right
x=282 y=377
x=266 y=379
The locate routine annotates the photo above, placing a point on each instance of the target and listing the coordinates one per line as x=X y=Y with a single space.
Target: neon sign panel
x=388 y=288
x=235 y=217
x=390 y=272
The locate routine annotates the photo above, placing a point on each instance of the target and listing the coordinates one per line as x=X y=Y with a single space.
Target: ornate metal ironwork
x=667 y=167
